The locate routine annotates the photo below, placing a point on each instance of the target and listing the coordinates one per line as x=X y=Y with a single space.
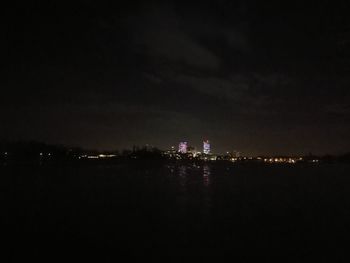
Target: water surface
x=289 y=213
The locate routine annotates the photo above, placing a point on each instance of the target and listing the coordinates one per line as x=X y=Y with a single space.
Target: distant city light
x=100 y=156
x=281 y=160
x=106 y=155
x=206 y=147
x=183 y=147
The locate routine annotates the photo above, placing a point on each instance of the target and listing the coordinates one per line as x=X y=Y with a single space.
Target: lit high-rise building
x=183 y=147
x=206 y=147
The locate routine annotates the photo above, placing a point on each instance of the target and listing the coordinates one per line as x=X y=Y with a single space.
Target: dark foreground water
x=104 y=213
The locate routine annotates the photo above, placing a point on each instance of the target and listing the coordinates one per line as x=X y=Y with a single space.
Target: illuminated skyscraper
x=206 y=147
x=183 y=147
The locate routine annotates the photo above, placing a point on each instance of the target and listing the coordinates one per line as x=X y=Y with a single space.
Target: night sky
x=261 y=77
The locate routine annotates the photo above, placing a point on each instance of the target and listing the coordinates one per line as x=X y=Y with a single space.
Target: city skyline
x=184 y=147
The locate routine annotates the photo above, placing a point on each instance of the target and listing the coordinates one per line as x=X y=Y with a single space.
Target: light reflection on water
x=206 y=175
x=183 y=176
x=191 y=174
x=194 y=198
x=184 y=172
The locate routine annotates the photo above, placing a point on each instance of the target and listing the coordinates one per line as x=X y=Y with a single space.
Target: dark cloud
x=252 y=76
x=158 y=33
